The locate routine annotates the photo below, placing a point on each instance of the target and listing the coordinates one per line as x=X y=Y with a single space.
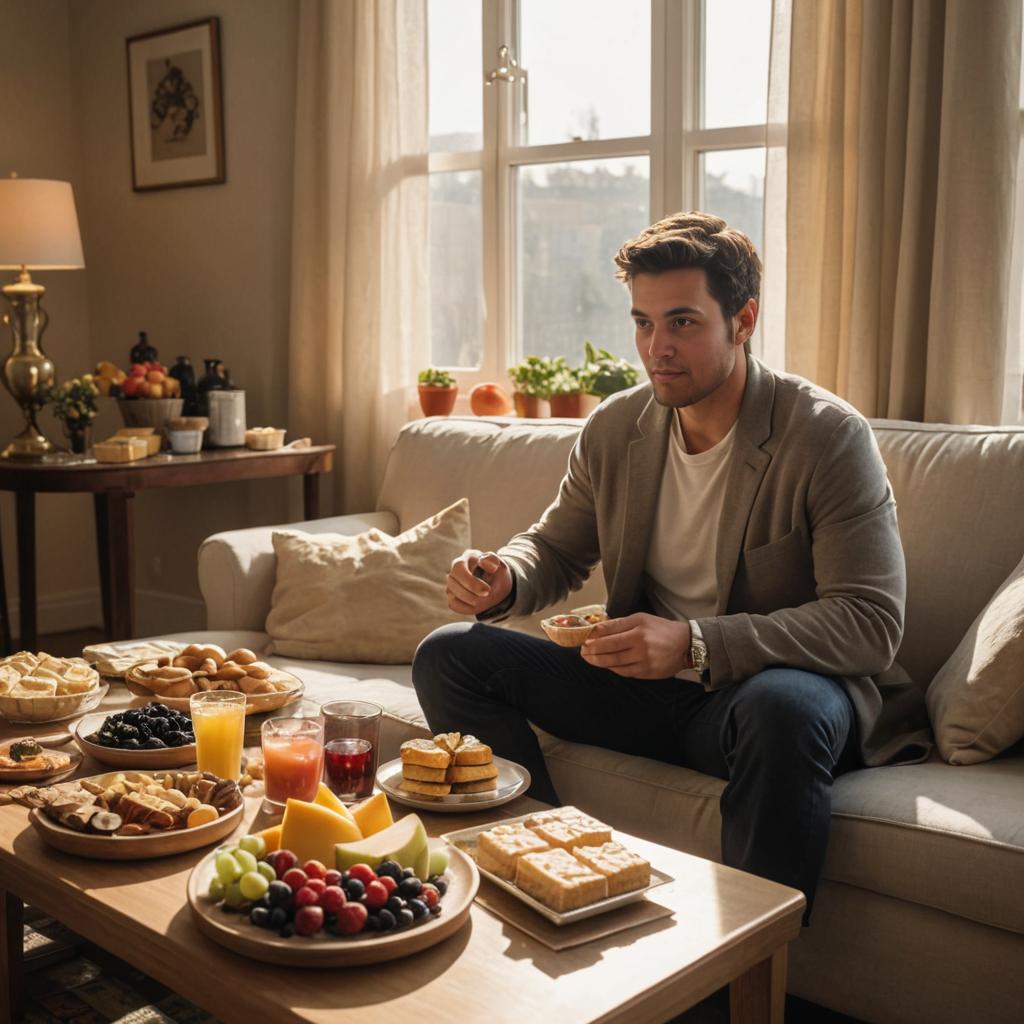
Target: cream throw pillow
x=976 y=700
x=368 y=598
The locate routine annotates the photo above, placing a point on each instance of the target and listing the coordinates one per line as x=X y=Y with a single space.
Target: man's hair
x=698 y=240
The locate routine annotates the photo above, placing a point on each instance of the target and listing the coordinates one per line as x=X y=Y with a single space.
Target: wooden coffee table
x=729 y=928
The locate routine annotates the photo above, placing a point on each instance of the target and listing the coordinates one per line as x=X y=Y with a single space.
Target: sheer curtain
x=895 y=151
x=360 y=298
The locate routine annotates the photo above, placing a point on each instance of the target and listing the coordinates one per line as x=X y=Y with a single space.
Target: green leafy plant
x=602 y=374
x=434 y=378
x=566 y=379
x=535 y=374
x=74 y=402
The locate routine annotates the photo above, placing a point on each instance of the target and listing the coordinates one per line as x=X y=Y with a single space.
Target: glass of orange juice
x=218 y=720
x=293 y=758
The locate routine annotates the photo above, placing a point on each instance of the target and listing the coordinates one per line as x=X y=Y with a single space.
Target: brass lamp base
x=27 y=372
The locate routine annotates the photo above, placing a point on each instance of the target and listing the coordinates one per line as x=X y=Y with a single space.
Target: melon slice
x=272 y=837
x=311 y=831
x=373 y=815
x=405 y=842
x=325 y=798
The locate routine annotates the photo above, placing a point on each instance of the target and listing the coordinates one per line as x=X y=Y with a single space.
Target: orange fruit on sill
x=490 y=400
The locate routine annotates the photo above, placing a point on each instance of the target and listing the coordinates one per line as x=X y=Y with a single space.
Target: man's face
x=682 y=336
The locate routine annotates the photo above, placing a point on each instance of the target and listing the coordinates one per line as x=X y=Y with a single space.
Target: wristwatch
x=700 y=660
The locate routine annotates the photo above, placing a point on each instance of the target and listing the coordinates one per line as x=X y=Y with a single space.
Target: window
x=600 y=116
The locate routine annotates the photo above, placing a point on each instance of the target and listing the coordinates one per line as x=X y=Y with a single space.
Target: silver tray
x=465 y=840
x=513 y=780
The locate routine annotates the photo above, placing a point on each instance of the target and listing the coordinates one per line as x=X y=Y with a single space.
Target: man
x=755 y=576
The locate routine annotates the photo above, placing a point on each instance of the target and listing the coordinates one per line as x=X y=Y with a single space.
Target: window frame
x=674 y=148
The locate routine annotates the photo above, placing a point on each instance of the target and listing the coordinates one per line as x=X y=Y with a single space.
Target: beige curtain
x=901 y=160
x=360 y=311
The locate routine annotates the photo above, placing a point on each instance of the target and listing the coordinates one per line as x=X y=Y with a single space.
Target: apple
x=490 y=400
x=138 y=370
x=130 y=386
x=155 y=376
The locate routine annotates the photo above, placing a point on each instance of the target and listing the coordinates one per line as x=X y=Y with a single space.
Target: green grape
x=233 y=895
x=266 y=870
x=252 y=885
x=216 y=891
x=245 y=859
x=256 y=845
x=228 y=869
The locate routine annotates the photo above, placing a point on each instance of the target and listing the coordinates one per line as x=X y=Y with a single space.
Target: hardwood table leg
x=115 y=545
x=5 y=613
x=25 y=502
x=311 y=496
x=759 y=995
x=12 y=912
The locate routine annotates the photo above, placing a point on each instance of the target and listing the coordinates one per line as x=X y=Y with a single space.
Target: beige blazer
x=809 y=561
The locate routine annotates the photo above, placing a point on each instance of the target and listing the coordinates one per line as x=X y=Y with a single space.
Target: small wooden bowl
x=140 y=760
x=566 y=636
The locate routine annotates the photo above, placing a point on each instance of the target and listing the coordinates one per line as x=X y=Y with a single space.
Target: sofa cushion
x=959 y=494
x=976 y=701
x=367 y=598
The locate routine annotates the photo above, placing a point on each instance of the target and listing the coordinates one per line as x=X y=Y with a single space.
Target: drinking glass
x=218 y=720
x=351 y=738
x=293 y=758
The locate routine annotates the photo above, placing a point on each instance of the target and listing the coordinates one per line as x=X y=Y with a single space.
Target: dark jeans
x=778 y=738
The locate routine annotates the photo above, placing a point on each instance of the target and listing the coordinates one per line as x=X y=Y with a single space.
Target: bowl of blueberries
x=153 y=736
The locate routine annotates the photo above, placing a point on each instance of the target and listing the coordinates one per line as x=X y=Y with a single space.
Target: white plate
x=237 y=933
x=465 y=841
x=513 y=781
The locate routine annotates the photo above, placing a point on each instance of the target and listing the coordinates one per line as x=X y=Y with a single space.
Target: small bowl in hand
x=567 y=630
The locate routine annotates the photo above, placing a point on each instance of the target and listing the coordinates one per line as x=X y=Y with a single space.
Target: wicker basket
x=150 y=412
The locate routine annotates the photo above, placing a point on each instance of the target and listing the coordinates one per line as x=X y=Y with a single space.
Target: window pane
x=733 y=181
x=456 y=270
x=737 y=35
x=589 y=65
x=456 y=77
x=573 y=218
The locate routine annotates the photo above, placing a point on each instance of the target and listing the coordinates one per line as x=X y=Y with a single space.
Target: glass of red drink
x=293 y=758
x=351 y=737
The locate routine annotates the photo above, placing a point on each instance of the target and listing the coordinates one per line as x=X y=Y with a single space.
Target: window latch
x=508 y=69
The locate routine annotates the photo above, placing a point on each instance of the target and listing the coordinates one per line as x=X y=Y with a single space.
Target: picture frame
x=175 y=106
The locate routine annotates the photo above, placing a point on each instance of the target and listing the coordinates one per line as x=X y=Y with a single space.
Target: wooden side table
x=113 y=486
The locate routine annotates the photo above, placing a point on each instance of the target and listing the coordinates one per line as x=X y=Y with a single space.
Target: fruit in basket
x=106 y=376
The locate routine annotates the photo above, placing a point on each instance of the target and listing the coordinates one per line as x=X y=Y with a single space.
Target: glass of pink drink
x=351 y=736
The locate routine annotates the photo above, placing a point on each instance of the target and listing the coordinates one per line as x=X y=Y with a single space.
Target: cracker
x=498 y=849
x=559 y=880
x=624 y=869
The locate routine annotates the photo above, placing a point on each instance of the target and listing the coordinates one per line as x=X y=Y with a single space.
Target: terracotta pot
x=569 y=405
x=437 y=401
x=530 y=406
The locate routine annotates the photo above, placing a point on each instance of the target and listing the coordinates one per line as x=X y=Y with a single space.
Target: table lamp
x=38 y=231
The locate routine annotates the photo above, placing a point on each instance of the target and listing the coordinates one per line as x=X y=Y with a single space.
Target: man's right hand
x=478 y=580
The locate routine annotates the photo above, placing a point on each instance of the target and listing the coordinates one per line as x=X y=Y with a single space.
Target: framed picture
x=174 y=106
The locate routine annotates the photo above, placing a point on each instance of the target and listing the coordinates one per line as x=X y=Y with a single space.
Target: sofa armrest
x=237 y=569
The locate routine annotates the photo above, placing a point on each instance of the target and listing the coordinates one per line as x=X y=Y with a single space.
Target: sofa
x=920 y=913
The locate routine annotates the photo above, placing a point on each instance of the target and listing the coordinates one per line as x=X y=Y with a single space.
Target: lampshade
x=38 y=225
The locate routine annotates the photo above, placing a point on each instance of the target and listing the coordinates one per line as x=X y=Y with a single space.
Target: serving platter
x=464 y=841
x=19 y=776
x=141 y=760
x=513 y=781
x=155 y=844
x=254 y=702
x=236 y=932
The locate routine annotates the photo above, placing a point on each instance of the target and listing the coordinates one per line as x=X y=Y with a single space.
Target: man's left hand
x=640 y=646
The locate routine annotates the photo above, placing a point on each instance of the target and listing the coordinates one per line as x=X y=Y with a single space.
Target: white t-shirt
x=682 y=582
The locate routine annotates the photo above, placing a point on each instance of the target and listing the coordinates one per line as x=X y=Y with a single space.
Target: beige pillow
x=976 y=700
x=368 y=598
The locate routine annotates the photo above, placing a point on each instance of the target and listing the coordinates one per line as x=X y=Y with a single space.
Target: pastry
x=559 y=880
x=569 y=834
x=425 y=788
x=624 y=869
x=472 y=772
x=424 y=752
x=420 y=773
x=498 y=849
x=479 y=786
x=28 y=756
x=471 y=751
x=41 y=675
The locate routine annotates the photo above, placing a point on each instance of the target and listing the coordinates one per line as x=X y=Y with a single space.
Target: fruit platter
x=333 y=887
x=132 y=815
x=151 y=737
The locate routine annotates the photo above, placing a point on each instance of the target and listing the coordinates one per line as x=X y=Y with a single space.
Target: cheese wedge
x=311 y=831
x=272 y=837
x=373 y=815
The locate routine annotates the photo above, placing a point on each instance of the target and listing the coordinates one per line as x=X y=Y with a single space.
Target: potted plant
x=568 y=395
x=438 y=391
x=532 y=381
x=602 y=374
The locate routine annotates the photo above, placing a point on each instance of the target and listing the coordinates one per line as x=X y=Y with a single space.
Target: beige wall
x=204 y=270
